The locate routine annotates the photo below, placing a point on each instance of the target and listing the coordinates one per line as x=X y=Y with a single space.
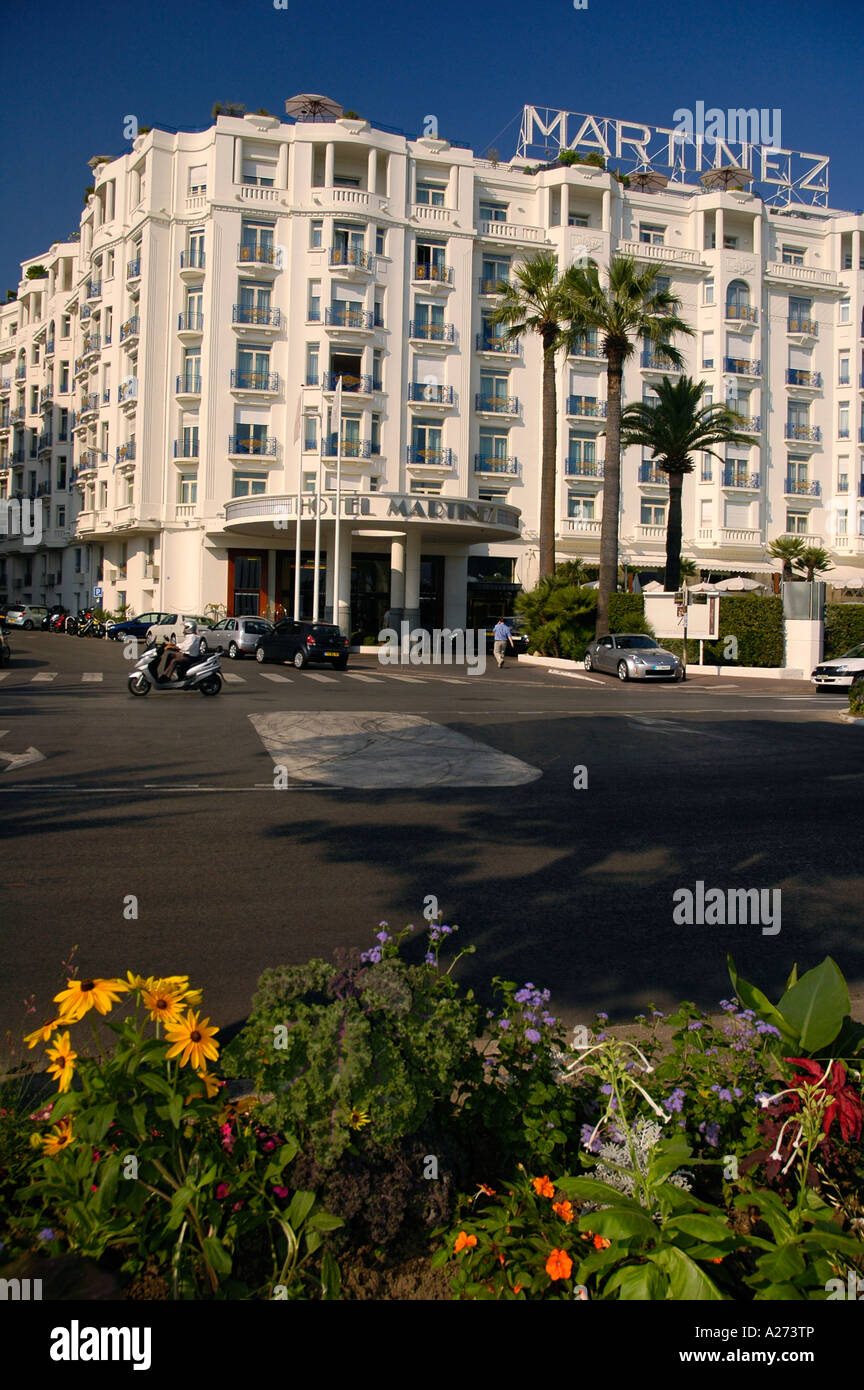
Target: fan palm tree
x=531 y=303
x=789 y=549
x=674 y=429
x=813 y=560
x=628 y=309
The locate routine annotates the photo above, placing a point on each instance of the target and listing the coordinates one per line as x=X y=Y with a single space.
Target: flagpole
x=297 y=546
x=315 y=584
x=338 y=414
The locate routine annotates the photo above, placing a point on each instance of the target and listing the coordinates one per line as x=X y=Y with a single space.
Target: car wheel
x=623 y=673
x=681 y=675
x=28 y=626
x=202 y=647
x=300 y=659
x=233 y=650
x=588 y=663
x=259 y=654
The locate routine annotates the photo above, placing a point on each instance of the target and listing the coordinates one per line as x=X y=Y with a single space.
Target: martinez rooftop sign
x=700 y=140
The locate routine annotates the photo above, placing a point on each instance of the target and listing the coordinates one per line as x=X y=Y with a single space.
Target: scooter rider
x=186 y=654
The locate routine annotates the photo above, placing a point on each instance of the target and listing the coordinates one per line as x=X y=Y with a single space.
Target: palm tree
x=629 y=308
x=675 y=428
x=814 y=560
x=789 y=549
x=531 y=303
x=687 y=568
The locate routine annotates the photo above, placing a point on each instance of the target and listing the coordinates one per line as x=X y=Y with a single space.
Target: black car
x=304 y=644
x=520 y=641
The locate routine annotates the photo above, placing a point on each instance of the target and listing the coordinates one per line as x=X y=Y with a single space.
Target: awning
x=655 y=562
x=841 y=574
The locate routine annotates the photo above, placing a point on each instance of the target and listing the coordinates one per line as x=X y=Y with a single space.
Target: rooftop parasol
x=312 y=106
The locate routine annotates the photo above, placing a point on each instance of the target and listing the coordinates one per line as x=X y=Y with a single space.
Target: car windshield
x=638 y=643
x=326 y=634
x=855 y=652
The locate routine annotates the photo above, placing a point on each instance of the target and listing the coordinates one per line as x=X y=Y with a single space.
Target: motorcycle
x=204 y=675
x=89 y=626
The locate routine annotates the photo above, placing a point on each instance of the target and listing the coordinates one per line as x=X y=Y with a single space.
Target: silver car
x=26 y=615
x=236 y=636
x=633 y=656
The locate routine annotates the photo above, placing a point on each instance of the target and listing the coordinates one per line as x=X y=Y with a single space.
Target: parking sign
x=97 y=592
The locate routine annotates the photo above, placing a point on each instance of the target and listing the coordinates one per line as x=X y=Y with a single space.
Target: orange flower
x=543 y=1187
x=601 y=1243
x=463 y=1240
x=485 y=1188
x=715 y=1259
x=564 y=1210
x=517 y=1288
x=559 y=1265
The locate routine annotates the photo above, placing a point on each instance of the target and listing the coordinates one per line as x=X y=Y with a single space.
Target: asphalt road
x=737 y=783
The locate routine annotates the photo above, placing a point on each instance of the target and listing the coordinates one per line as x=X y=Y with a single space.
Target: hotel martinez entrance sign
x=454 y=516
x=702 y=140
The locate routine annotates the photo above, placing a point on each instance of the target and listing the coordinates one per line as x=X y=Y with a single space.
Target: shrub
x=844 y=628
x=627 y=614
x=756 y=623
x=856 y=698
x=37 y=272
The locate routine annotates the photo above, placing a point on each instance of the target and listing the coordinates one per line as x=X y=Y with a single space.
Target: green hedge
x=757 y=623
x=627 y=613
x=844 y=628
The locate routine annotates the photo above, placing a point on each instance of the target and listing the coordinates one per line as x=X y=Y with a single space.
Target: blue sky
x=80 y=69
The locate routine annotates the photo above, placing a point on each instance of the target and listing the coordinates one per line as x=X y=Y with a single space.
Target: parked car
x=26 y=615
x=304 y=644
x=170 y=626
x=237 y=636
x=840 y=670
x=136 y=627
x=517 y=632
x=633 y=656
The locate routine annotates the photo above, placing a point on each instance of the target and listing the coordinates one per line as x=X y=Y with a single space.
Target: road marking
x=272 y=676
x=16 y=760
x=577 y=676
x=44 y=676
x=669 y=726
x=412 y=680
x=91 y=676
x=241 y=680
x=316 y=676
x=3 y=675
x=383 y=751
x=356 y=676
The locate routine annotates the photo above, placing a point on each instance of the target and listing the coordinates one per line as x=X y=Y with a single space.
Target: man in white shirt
x=186 y=654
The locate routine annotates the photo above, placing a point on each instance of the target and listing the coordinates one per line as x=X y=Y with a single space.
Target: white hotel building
x=149 y=383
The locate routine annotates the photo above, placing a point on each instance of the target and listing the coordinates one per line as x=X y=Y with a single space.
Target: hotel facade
x=167 y=378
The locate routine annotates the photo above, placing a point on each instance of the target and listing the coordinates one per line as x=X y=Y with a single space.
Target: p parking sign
x=97 y=592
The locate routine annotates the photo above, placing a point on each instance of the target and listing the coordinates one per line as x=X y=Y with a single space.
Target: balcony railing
x=861 y=435
x=584 y=347
x=46 y=395
x=188 y=384
x=6 y=384
x=256 y=254
x=575 y=468
x=125 y=453
x=341 y=316
x=92 y=343
x=497 y=405
x=18 y=414
x=430 y=392
x=353 y=256
x=250 y=313
x=49 y=347
x=484 y=343
x=745 y=313
x=90 y=402
x=254 y=381
x=46 y=441
x=592 y=410
x=186 y=448
x=20 y=373
x=656 y=362
x=432 y=458
x=486 y=464
x=650 y=473
x=130 y=329
x=492 y=286
x=806 y=326
x=432 y=332
x=94 y=289
x=433 y=274
x=358 y=385
x=806 y=433
x=192 y=260
x=796 y=377
x=351 y=448
x=739 y=477
x=742 y=366
x=794 y=488
x=133 y=269
x=129 y=391
x=748 y=424
x=247 y=444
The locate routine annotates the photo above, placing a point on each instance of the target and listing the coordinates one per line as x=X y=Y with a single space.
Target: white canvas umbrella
x=736 y=581
x=653 y=587
x=704 y=588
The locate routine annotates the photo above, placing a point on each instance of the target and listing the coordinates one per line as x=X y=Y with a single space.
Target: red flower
x=845 y=1104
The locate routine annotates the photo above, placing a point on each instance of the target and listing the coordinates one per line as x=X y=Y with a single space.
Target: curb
x=849 y=718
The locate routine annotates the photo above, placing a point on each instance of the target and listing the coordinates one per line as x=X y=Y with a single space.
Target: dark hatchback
x=305 y=644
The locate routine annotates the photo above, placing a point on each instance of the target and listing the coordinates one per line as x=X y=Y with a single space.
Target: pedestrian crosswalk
x=335 y=678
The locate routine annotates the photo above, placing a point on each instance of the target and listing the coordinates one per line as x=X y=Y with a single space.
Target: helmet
x=190 y=627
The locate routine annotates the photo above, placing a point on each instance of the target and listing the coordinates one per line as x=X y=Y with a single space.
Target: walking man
x=500 y=638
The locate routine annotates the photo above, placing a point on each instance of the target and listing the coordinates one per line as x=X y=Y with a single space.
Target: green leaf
x=179 y=1202
x=331 y=1278
x=771 y=1210
x=817 y=1005
x=778 y=1293
x=154 y=1082
x=784 y=1263
x=668 y=1156
x=175 y=1110
x=312 y=1239
x=753 y=998
x=686 y=1280
x=324 y=1221
x=217 y=1255
x=301 y=1205
x=592 y=1190
x=705 y=1228
x=637 y=1282
x=620 y=1223
x=793 y=977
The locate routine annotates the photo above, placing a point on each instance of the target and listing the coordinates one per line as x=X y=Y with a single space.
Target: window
x=313 y=314
x=380 y=241
x=494 y=445
x=578 y=219
x=312 y=364
x=103 y=495
x=494 y=390
x=256 y=241
x=493 y=212
x=60 y=517
x=796 y=523
x=843 y=420
x=492 y=494
x=66 y=326
x=843 y=369
x=198 y=179
x=189 y=442
x=109 y=265
x=310 y=433
x=309 y=482
x=845 y=311
x=495 y=269
x=375 y=483
x=187 y=487
x=800 y=315
x=582 y=449
x=426 y=489
x=249 y=485
x=662 y=284
x=130 y=491
x=653 y=514
x=61 y=475
x=64 y=377
x=316 y=233
x=377 y=367
x=580 y=506
x=842 y=482
x=651 y=233
x=431 y=194
x=842 y=522
x=107 y=327
x=708 y=292
x=792 y=255
x=250 y=439
x=707 y=472
x=375 y=446
x=707 y=352
x=378 y=315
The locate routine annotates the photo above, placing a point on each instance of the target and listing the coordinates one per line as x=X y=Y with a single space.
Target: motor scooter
x=204 y=675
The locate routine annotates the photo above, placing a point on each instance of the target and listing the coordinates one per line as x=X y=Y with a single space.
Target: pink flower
x=237 y=1206
x=222 y=1190
x=282 y=1192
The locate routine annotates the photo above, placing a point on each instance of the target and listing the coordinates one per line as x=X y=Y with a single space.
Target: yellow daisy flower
x=164 y=1002
x=83 y=995
x=59 y=1138
x=134 y=981
x=358 y=1118
x=211 y=1085
x=62 y=1061
x=43 y=1034
x=192 y=1041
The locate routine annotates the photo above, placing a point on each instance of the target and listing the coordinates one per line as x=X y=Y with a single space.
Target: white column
x=757 y=234
x=607 y=208
x=343 y=599
x=372 y=171
x=412 y=183
x=397 y=573
x=282 y=167
x=455 y=590
x=238 y=159
x=328 y=583
x=719 y=232
x=329 y=163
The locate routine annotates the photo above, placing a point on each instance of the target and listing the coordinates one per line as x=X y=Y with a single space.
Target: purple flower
x=605 y=1017
x=767 y=1028
x=504 y=1023
x=726 y=1095
x=46 y=1233
x=606 y=1088
x=694 y=1024
x=763 y=1098
x=585 y=1135
x=532 y=1035
x=382 y=936
x=429 y=957
x=711 y=1133
x=676 y=1100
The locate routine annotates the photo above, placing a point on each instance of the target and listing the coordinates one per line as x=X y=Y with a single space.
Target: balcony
x=582 y=408
x=350 y=258
x=45 y=442
x=810 y=381
x=806 y=536
x=186 y=448
x=804 y=328
x=81 y=366
x=803 y=434
x=258 y=256
x=188 y=384
x=487 y=464
x=436 y=333
x=433 y=275
x=88 y=405
x=430 y=393
x=246 y=446
x=351 y=448
x=46 y=397
x=746 y=314
x=18 y=415
x=580 y=526
x=779 y=270
x=429 y=458
x=795 y=488
x=5 y=386
x=128 y=392
x=432 y=213
x=133 y=269
x=483 y=342
x=265 y=382
x=20 y=373
x=575 y=468
x=651 y=533
x=125 y=453
x=348 y=319
x=250 y=316
x=496 y=405
x=583 y=350
x=652 y=361
x=192 y=261
x=742 y=366
x=741 y=479
x=650 y=473
x=94 y=289
x=644 y=251
x=130 y=330
x=84 y=313
x=748 y=424
x=356 y=385
x=511 y=231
